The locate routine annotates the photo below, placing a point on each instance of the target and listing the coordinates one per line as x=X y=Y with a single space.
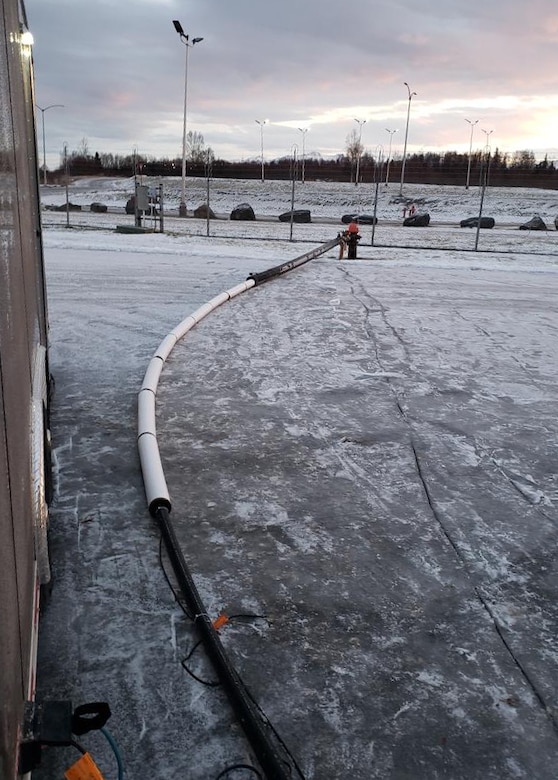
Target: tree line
x=519 y=169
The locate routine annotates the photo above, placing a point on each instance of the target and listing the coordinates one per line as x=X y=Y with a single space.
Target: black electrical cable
x=76 y=744
x=234 y=767
x=171 y=585
x=278 y=738
x=180 y=602
x=193 y=675
x=229 y=619
x=249 y=716
x=248 y=616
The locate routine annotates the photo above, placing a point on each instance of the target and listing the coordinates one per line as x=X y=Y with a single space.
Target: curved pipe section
x=153 y=476
x=255 y=727
x=156 y=490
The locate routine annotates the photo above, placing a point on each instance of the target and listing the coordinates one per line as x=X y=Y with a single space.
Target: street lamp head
x=184 y=37
x=411 y=94
x=54 y=105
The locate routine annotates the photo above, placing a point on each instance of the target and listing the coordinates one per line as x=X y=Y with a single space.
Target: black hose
x=270 y=273
x=267 y=754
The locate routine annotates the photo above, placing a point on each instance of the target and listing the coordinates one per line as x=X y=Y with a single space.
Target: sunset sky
x=118 y=69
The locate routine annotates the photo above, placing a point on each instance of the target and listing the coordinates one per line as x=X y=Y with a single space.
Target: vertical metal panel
x=22 y=330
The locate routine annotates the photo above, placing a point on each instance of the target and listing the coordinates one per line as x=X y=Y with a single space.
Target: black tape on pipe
x=270 y=273
x=271 y=762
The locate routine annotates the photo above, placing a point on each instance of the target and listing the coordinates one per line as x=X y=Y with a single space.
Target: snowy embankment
x=324 y=199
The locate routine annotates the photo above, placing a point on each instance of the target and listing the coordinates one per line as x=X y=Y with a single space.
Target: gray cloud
x=119 y=70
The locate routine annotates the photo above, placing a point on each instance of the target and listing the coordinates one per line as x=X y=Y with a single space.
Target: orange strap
x=220 y=621
x=84 y=769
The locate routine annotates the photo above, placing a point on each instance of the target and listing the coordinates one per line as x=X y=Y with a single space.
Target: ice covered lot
x=362 y=452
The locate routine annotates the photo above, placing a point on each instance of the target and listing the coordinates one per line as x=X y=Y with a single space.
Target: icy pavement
x=361 y=455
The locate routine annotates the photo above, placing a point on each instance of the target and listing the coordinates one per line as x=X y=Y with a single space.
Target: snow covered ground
x=324 y=199
x=361 y=456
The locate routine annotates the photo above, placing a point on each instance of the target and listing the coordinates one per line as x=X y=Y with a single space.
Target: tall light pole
x=303 y=130
x=261 y=123
x=359 y=122
x=470 y=150
x=42 y=110
x=487 y=133
x=182 y=210
x=391 y=132
x=404 y=160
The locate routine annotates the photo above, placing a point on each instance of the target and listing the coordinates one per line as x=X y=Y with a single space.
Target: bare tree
x=353 y=148
x=197 y=150
x=83 y=148
x=524 y=159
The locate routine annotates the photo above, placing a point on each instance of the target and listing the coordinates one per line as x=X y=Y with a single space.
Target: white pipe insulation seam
x=156 y=491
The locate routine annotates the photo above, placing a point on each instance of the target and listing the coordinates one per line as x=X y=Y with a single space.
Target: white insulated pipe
x=156 y=490
x=166 y=346
x=154 y=481
x=146 y=412
x=151 y=378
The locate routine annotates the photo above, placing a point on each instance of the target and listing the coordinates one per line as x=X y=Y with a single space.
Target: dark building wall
x=22 y=330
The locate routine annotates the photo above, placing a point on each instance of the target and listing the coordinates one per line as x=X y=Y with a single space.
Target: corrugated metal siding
x=22 y=327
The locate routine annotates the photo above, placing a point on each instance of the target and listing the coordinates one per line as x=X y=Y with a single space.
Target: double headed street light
x=470 y=150
x=182 y=211
x=261 y=123
x=487 y=133
x=303 y=130
x=411 y=95
x=42 y=110
x=359 y=122
x=391 y=132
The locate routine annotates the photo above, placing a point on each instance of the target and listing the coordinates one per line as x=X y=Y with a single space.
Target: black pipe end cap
x=159 y=503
